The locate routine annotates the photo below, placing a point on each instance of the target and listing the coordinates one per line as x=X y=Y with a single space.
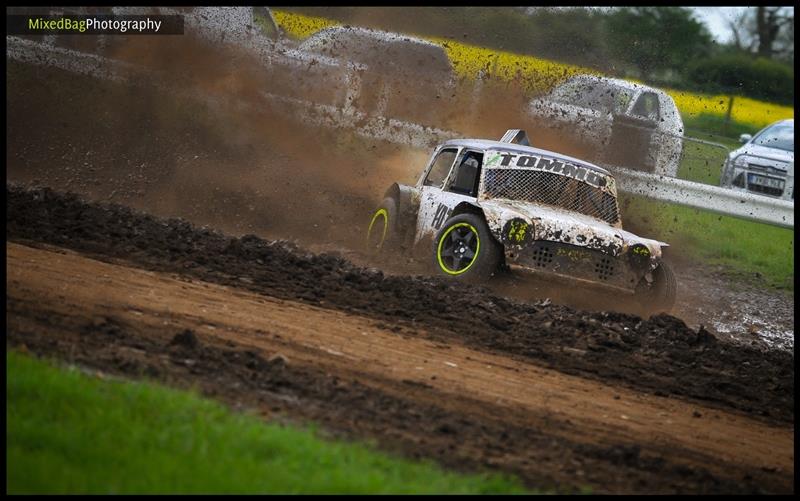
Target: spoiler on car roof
x=516 y=136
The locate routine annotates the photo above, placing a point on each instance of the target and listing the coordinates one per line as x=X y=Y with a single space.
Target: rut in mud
x=467 y=408
x=660 y=355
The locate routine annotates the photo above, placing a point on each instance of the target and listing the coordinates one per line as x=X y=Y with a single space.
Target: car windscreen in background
x=780 y=136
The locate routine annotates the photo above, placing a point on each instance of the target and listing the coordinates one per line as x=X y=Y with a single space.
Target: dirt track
x=122 y=320
x=660 y=354
x=443 y=371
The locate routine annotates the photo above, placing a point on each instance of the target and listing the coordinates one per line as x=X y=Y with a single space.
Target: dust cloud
x=234 y=163
x=237 y=165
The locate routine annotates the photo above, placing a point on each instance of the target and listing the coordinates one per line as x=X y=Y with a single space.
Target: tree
x=656 y=39
x=785 y=42
x=741 y=73
x=570 y=34
x=769 y=21
x=765 y=31
x=742 y=29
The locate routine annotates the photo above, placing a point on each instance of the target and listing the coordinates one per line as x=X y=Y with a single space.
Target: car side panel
x=435 y=208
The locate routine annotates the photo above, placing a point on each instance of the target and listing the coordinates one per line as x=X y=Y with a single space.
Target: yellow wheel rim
x=442 y=240
x=380 y=213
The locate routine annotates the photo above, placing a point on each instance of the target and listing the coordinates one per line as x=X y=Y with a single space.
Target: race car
x=482 y=206
x=626 y=124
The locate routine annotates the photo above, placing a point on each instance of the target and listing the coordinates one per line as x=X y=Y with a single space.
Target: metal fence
x=667 y=154
x=711 y=198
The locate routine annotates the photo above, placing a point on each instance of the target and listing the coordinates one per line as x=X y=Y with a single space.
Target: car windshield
x=595 y=95
x=780 y=136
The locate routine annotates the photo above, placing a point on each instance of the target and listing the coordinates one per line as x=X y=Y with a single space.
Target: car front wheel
x=657 y=290
x=465 y=249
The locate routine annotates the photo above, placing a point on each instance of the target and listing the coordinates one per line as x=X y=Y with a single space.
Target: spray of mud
x=241 y=169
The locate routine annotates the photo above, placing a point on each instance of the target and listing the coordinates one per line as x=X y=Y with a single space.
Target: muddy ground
x=684 y=392
x=468 y=409
x=660 y=354
x=200 y=248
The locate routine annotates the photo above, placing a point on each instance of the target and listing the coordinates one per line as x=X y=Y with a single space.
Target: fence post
x=788 y=190
x=727 y=116
x=477 y=94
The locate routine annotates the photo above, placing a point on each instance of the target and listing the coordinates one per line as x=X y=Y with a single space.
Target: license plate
x=769 y=182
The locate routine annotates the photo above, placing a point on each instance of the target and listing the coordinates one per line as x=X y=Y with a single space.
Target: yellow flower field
x=536 y=74
x=300 y=26
x=745 y=110
x=541 y=74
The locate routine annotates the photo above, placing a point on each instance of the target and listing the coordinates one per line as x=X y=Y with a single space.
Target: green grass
x=743 y=246
x=716 y=125
x=71 y=433
x=703 y=163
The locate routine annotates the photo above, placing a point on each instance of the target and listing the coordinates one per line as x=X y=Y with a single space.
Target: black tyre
x=382 y=229
x=466 y=250
x=657 y=290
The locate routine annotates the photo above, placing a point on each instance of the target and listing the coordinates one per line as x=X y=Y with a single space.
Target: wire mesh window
x=551 y=189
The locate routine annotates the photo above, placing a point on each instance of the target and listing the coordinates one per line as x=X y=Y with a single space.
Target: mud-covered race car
x=625 y=123
x=482 y=206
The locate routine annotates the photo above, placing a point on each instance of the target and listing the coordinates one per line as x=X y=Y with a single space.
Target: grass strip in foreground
x=68 y=432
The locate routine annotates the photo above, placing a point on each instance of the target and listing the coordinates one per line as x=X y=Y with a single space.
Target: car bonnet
x=562 y=226
x=781 y=157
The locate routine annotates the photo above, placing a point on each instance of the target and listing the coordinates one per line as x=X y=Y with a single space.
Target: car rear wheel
x=382 y=230
x=465 y=249
x=657 y=290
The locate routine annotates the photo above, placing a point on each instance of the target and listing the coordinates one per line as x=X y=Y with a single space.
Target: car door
x=593 y=115
x=645 y=116
x=578 y=109
x=460 y=185
x=567 y=116
x=436 y=203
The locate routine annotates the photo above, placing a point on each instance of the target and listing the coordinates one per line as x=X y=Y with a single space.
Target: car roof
x=380 y=48
x=385 y=36
x=617 y=82
x=486 y=144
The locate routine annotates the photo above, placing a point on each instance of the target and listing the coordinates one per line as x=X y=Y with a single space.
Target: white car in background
x=627 y=124
x=765 y=163
x=403 y=77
